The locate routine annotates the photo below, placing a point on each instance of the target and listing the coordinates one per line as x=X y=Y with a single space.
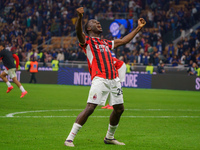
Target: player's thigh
x=11 y=73
x=98 y=91
x=4 y=73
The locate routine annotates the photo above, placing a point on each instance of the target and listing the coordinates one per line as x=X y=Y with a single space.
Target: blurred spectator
x=34 y=54
x=9 y=46
x=187 y=58
x=122 y=29
x=28 y=46
x=182 y=33
x=198 y=59
x=60 y=57
x=156 y=59
x=185 y=44
x=198 y=70
x=128 y=26
x=192 y=42
x=149 y=68
x=192 y=70
x=54 y=27
x=48 y=37
x=39 y=43
x=44 y=59
x=160 y=68
x=53 y=54
x=55 y=64
x=180 y=50
x=131 y=56
x=190 y=63
x=66 y=54
x=20 y=40
x=30 y=35
x=145 y=58
x=175 y=61
x=171 y=49
x=81 y=55
x=128 y=67
x=33 y=69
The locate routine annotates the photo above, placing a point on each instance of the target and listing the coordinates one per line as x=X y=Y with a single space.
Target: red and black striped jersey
x=100 y=60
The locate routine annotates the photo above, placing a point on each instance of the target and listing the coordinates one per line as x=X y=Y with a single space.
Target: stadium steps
x=181 y=4
x=58 y=42
x=48 y=47
x=34 y=46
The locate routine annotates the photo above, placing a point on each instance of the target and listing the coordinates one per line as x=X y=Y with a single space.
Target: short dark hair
x=2 y=44
x=86 y=26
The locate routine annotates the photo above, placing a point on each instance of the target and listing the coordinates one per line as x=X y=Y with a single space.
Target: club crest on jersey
x=95 y=97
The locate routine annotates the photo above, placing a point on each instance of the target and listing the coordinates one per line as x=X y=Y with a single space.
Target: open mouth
x=99 y=27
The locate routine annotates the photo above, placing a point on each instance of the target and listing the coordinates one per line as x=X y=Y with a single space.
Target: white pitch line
x=23 y=112
x=102 y=117
x=35 y=111
x=195 y=110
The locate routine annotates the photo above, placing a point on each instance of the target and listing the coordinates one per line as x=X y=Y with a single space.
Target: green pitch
x=153 y=119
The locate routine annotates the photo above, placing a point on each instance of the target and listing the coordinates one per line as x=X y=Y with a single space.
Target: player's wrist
x=80 y=15
x=139 y=27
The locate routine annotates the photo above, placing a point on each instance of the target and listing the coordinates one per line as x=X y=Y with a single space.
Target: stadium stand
x=48 y=25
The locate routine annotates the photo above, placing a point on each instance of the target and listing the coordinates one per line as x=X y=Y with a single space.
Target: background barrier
x=175 y=82
x=77 y=76
x=43 y=77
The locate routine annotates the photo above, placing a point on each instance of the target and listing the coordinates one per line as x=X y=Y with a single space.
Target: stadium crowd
x=22 y=20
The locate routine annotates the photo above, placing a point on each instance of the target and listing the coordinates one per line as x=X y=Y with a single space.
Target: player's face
x=95 y=26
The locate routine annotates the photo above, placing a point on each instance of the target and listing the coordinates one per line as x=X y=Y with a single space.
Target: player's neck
x=94 y=35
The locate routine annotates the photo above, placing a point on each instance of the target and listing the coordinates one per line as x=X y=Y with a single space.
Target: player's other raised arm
x=130 y=36
x=79 y=26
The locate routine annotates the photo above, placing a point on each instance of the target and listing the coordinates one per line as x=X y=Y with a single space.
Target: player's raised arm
x=79 y=26
x=130 y=36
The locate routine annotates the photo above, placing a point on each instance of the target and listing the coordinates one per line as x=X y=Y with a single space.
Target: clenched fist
x=80 y=11
x=141 y=22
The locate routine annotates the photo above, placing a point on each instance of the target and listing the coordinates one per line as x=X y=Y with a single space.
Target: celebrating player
x=8 y=62
x=105 y=81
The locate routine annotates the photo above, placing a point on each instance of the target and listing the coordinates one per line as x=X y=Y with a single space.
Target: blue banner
x=76 y=76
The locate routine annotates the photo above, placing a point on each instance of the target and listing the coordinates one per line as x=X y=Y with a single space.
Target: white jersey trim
x=89 y=54
x=112 y=45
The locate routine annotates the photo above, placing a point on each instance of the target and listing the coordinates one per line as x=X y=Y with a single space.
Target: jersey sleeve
x=118 y=63
x=16 y=59
x=110 y=44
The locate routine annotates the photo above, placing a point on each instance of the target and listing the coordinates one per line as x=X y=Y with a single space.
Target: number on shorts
x=119 y=91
